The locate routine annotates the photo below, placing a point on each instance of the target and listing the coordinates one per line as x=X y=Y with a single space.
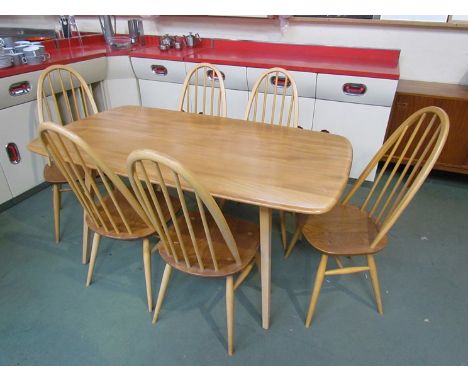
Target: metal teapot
x=167 y=40
x=192 y=40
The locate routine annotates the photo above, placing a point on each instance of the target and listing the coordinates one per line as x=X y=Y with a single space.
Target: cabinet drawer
x=15 y=90
x=159 y=70
x=22 y=88
x=235 y=77
x=364 y=90
x=305 y=82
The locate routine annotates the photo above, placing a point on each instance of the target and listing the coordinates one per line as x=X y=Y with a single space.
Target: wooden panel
x=433 y=89
x=454 y=156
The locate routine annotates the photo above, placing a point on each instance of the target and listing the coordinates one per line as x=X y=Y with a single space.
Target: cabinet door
x=454 y=156
x=121 y=85
x=363 y=125
x=19 y=127
x=306 y=110
x=236 y=101
x=5 y=193
x=163 y=95
x=122 y=91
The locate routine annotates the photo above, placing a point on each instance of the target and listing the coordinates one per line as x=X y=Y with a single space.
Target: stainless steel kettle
x=167 y=40
x=192 y=40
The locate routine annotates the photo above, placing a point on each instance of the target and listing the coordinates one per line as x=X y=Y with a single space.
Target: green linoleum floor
x=48 y=317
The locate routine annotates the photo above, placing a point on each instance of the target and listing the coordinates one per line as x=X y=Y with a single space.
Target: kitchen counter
x=377 y=63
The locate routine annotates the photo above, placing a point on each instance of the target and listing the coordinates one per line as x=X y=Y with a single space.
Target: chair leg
x=56 y=207
x=301 y=220
x=147 y=267
x=258 y=261
x=293 y=242
x=92 y=261
x=338 y=261
x=375 y=282
x=283 y=228
x=162 y=291
x=230 y=313
x=316 y=291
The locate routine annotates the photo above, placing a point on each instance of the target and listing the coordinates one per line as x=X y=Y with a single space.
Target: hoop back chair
x=274 y=100
x=202 y=241
x=203 y=91
x=62 y=97
x=361 y=229
x=111 y=210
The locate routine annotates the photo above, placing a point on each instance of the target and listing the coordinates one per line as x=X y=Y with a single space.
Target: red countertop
x=378 y=63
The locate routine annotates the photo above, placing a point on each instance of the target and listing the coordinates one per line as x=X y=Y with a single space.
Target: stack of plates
x=5 y=60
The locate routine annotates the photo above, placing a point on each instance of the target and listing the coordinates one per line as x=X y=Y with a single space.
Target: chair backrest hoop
x=212 y=82
x=417 y=158
x=162 y=162
x=72 y=154
x=76 y=96
x=281 y=82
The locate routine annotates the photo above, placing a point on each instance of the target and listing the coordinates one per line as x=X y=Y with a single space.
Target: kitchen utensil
x=192 y=40
x=167 y=40
x=106 y=27
x=35 y=60
x=141 y=33
x=133 y=30
x=17 y=58
x=65 y=25
x=120 y=42
x=178 y=45
x=35 y=50
x=7 y=41
x=9 y=49
x=20 y=48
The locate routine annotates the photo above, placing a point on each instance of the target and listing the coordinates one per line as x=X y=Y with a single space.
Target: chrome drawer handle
x=19 y=88
x=13 y=153
x=159 y=70
x=211 y=74
x=354 y=89
x=280 y=81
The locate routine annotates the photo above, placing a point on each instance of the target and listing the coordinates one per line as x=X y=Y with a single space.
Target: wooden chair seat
x=247 y=238
x=52 y=174
x=345 y=230
x=139 y=228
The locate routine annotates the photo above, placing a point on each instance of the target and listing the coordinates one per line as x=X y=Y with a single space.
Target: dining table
x=272 y=167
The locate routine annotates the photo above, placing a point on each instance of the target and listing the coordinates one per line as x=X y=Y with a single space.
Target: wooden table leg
x=265 y=253
x=85 y=257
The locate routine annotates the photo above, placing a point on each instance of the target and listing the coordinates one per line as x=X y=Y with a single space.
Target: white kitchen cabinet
x=235 y=83
x=19 y=127
x=306 y=89
x=357 y=108
x=363 y=125
x=121 y=86
x=5 y=193
x=160 y=81
x=163 y=95
x=236 y=101
x=306 y=110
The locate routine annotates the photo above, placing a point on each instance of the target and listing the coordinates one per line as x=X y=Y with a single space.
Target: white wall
x=438 y=55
